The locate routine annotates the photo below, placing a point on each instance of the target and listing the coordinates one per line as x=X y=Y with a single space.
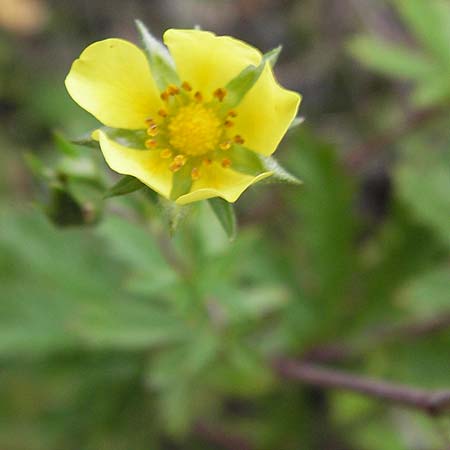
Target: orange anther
x=195 y=173
x=225 y=145
x=166 y=153
x=226 y=163
x=239 y=139
x=220 y=94
x=151 y=143
x=198 y=96
x=186 y=86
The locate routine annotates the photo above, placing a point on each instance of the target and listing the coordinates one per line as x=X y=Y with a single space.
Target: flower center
x=195 y=129
x=191 y=132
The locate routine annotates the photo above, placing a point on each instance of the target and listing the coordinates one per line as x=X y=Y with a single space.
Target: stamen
x=162 y=112
x=173 y=90
x=166 y=153
x=225 y=145
x=207 y=162
x=149 y=121
x=186 y=86
x=195 y=174
x=232 y=113
x=239 y=139
x=180 y=159
x=165 y=96
x=226 y=163
x=228 y=123
x=174 y=167
x=151 y=143
x=198 y=96
x=153 y=130
x=220 y=94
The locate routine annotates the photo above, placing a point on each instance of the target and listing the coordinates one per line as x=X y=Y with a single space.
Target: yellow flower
x=194 y=138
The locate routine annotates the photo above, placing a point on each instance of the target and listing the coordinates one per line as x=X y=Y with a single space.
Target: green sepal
x=86 y=141
x=296 y=123
x=161 y=63
x=280 y=174
x=225 y=213
x=245 y=161
x=272 y=56
x=128 y=138
x=238 y=87
x=173 y=214
x=126 y=185
x=181 y=181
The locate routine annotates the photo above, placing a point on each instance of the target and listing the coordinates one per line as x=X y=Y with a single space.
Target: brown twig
x=336 y=352
x=431 y=402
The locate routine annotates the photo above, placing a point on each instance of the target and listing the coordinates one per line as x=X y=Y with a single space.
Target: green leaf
x=430 y=22
x=161 y=62
x=427 y=295
x=63 y=210
x=38 y=168
x=423 y=183
x=128 y=138
x=125 y=185
x=65 y=146
x=280 y=174
x=391 y=59
x=224 y=211
x=434 y=91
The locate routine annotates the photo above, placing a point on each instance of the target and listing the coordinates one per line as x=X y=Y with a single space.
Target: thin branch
x=431 y=402
x=401 y=332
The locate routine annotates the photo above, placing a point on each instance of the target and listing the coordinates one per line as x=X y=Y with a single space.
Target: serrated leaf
x=280 y=174
x=160 y=60
x=430 y=22
x=126 y=185
x=224 y=212
x=391 y=59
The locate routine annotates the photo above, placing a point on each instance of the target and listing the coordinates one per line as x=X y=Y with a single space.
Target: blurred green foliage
x=115 y=336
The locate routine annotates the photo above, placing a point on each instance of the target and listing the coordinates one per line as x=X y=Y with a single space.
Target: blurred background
x=107 y=344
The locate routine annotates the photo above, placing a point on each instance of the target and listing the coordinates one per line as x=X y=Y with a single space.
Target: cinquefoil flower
x=195 y=134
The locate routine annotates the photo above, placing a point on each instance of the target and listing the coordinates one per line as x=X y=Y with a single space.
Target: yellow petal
x=145 y=165
x=265 y=113
x=207 y=61
x=216 y=181
x=112 y=80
